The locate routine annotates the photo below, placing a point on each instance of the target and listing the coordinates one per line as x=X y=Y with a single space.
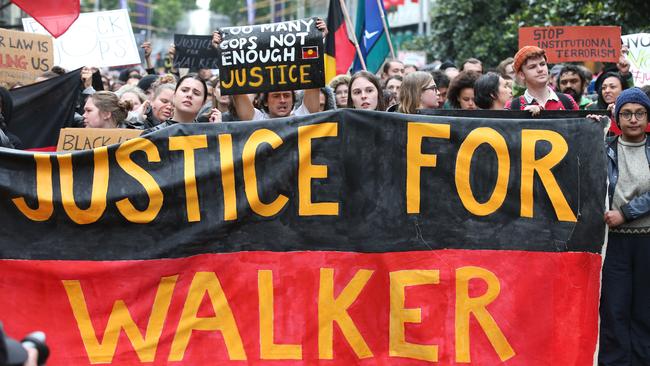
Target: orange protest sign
x=566 y=44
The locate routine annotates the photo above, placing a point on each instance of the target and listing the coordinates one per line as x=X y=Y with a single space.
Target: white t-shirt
x=300 y=111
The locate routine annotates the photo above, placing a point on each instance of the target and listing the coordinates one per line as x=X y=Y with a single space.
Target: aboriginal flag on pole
x=339 y=50
x=328 y=239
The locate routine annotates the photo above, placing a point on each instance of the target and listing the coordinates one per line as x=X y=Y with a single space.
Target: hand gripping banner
x=340 y=238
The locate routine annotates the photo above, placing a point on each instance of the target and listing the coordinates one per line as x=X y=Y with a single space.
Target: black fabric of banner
x=366 y=163
x=42 y=109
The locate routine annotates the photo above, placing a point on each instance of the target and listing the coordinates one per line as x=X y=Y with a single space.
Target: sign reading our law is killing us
x=271 y=57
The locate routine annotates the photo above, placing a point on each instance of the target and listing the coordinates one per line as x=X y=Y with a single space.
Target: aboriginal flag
x=328 y=239
x=55 y=16
x=339 y=50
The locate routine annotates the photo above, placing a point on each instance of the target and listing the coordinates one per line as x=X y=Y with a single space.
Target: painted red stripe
x=344 y=50
x=547 y=305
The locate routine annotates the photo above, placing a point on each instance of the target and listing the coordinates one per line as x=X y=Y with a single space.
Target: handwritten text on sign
x=565 y=44
x=24 y=56
x=195 y=52
x=99 y=39
x=271 y=57
x=639 y=56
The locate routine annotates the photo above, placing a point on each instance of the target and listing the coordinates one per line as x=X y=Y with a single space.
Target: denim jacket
x=638 y=206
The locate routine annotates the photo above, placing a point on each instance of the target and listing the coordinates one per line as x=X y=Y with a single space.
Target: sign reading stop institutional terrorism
x=574 y=43
x=328 y=239
x=271 y=57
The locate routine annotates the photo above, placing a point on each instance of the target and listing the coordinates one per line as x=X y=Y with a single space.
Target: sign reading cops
x=271 y=57
x=194 y=52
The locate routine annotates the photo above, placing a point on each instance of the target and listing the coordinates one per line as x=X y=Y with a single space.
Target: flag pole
x=348 y=22
x=383 y=21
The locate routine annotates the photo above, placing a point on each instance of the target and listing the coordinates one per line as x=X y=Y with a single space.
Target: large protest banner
x=332 y=239
x=24 y=56
x=639 y=56
x=195 y=52
x=271 y=57
x=98 y=39
x=574 y=43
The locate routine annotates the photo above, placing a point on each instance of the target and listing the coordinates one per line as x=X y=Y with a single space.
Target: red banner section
x=448 y=307
x=566 y=44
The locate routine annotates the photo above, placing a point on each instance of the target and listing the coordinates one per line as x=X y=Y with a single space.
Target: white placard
x=639 y=57
x=99 y=39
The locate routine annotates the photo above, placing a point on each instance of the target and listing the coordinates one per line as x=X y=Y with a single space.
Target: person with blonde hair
x=133 y=94
x=419 y=91
x=105 y=110
x=340 y=85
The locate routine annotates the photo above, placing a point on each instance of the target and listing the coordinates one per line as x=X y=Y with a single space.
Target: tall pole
x=382 y=11
x=348 y=25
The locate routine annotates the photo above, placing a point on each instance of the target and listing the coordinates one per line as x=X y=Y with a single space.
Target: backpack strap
x=517 y=103
x=566 y=101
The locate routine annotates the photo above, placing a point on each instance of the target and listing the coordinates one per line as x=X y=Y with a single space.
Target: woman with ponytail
x=105 y=110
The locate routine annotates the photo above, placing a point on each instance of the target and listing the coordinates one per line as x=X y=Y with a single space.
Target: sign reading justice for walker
x=271 y=57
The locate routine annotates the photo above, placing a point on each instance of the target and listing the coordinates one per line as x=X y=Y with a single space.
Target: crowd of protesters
x=141 y=98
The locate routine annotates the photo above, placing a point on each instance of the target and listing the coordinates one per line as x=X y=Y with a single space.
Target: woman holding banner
x=364 y=92
x=418 y=91
x=189 y=96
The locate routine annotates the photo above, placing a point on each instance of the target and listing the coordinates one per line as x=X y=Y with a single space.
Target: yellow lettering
x=123 y=157
x=44 y=193
x=99 y=187
x=543 y=166
x=282 y=71
x=304 y=74
x=228 y=177
x=269 y=350
x=271 y=73
x=250 y=176
x=479 y=136
x=256 y=73
x=399 y=315
x=188 y=144
x=223 y=321
x=307 y=171
x=466 y=305
x=292 y=73
x=228 y=85
x=120 y=318
x=415 y=159
x=332 y=310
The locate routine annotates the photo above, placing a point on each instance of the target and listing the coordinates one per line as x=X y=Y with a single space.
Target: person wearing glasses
x=491 y=91
x=418 y=91
x=625 y=298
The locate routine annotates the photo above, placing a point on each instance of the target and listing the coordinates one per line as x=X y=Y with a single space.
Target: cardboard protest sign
x=271 y=57
x=24 y=56
x=195 y=52
x=574 y=43
x=327 y=239
x=73 y=139
x=99 y=39
x=639 y=56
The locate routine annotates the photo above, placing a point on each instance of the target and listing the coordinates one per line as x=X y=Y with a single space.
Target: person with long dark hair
x=365 y=92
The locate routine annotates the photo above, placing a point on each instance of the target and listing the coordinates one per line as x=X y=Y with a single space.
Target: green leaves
x=488 y=30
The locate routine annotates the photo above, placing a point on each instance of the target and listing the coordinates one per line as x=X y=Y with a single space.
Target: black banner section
x=341 y=180
x=271 y=57
x=195 y=52
x=42 y=109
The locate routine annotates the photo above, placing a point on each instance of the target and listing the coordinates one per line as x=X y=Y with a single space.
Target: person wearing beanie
x=145 y=84
x=625 y=297
x=531 y=67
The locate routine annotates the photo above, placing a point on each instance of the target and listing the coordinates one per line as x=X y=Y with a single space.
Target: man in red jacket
x=530 y=65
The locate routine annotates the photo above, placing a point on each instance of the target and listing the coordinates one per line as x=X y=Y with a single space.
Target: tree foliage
x=488 y=30
x=230 y=8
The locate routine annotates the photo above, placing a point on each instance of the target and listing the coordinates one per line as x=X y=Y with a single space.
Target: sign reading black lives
x=195 y=52
x=271 y=57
